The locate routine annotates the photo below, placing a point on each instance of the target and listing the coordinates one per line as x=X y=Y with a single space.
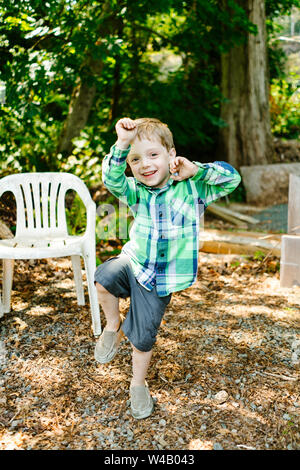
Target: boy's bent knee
x=141 y=347
x=101 y=289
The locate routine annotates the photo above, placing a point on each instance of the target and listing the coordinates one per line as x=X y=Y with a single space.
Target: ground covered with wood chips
x=224 y=373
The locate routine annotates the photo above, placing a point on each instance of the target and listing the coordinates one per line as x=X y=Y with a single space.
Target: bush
x=285 y=108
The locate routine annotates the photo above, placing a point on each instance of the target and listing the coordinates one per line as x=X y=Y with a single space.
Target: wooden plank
x=246 y=233
x=238 y=249
x=222 y=242
x=234 y=217
x=294 y=205
x=242 y=207
x=290 y=261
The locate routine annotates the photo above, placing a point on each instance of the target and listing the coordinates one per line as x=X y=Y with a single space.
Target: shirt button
x=160 y=214
x=162 y=255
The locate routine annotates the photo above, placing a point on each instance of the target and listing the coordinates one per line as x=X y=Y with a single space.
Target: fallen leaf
x=21 y=324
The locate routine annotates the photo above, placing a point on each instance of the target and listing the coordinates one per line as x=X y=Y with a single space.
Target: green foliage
x=277 y=61
x=26 y=145
x=284 y=90
x=235 y=264
x=84 y=160
x=259 y=255
x=276 y=8
x=49 y=48
x=76 y=217
x=238 y=195
x=285 y=109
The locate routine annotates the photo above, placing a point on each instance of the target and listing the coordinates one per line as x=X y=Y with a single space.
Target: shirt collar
x=158 y=190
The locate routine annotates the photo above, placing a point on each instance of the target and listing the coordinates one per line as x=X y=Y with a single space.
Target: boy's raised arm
x=126 y=132
x=215 y=180
x=114 y=164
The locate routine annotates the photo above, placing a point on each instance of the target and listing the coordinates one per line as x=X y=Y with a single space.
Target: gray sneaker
x=107 y=345
x=141 y=401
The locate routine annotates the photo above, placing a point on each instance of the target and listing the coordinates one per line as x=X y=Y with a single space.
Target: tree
x=111 y=26
x=84 y=92
x=247 y=138
x=73 y=67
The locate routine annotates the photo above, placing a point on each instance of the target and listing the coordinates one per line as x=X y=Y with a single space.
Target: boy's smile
x=149 y=161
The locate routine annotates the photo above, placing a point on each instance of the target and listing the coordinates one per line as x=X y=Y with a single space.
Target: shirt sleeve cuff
x=118 y=156
x=200 y=172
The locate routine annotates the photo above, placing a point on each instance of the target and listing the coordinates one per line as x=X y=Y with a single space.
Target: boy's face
x=149 y=161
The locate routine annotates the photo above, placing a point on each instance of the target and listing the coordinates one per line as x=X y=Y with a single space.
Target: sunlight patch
x=198 y=444
x=40 y=311
x=240 y=337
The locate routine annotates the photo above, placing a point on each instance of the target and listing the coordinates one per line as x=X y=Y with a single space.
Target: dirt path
x=225 y=370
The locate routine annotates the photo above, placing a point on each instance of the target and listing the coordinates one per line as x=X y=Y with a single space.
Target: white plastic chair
x=41 y=231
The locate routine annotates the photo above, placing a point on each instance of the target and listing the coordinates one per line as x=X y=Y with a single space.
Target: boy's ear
x=172 y=153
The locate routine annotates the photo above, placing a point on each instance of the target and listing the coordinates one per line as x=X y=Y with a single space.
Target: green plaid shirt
x=163 y=242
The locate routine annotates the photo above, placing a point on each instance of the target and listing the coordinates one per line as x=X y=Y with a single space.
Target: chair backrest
x=40 y=201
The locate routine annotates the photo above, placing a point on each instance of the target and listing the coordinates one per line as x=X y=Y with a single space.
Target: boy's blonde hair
x=148 y=128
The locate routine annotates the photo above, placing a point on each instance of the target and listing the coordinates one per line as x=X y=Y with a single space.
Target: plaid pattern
x=164 y=238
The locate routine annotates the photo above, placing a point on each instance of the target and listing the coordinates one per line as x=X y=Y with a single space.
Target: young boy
x=167 y=195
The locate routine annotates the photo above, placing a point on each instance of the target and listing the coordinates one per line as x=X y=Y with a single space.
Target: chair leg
x=76 y=264
x=8 y=272
x=90 y=267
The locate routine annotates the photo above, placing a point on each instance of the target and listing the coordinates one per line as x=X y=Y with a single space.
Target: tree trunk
x=247 y=140
x=84 y=93
x=117 y=85
x=79 y=109
x=116 y=93
x=81 y=102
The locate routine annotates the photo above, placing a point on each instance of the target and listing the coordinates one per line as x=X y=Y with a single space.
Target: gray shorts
x=146 y=308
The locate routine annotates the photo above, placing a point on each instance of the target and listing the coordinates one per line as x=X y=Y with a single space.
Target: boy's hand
x=181 y=168
x=126 y=132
